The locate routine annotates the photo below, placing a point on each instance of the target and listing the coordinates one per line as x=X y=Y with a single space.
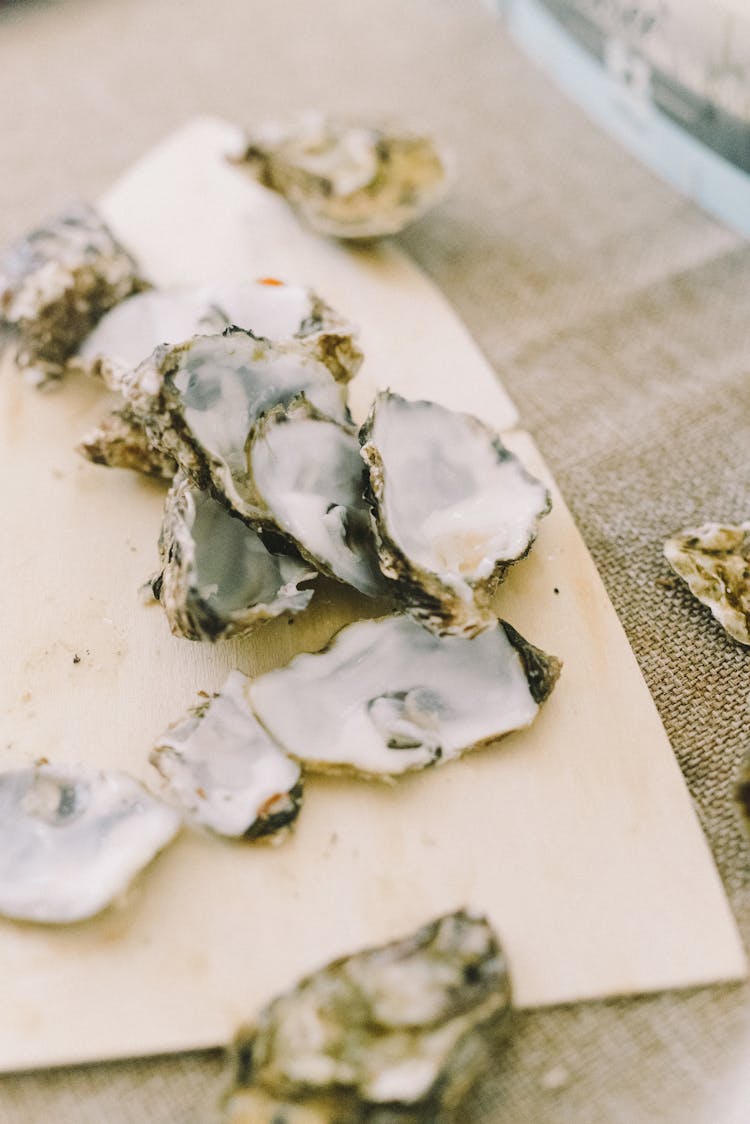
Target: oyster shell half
x=57 y=282
x=714 y=560
x=199 y=400
x=348 y=179
x=307 y=473
x=218 y=577
x=387 y=696
x=269 y=308
x=452 y=509
x=220 y=767
x=120 y=441
x=396 y=1033
x=71 y=840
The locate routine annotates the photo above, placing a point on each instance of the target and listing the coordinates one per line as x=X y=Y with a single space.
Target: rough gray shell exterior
x=331 y=340
x=196 y=605
x=57 y=282
x=348 y=179
x=399 y=1033
x=121 y=441
x=542 y=669
x=714 y=560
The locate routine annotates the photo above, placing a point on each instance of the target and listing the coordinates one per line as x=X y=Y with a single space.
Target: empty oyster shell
x=200 y=399
x=218 y=578
x=452 y=509
x=396 y=1033
x=222 y=768
x=269 y=308
x=120 y=441
x=131 y=332
x=714 y=560
x=56 y=283
x=387 y=696
x=348 y=179
x=71 y=840
x=307 y=474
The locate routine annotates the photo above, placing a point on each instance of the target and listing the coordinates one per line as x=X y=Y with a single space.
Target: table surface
x=616 y=313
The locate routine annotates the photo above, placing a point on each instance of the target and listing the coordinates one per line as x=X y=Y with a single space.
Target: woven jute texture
x=618 y=316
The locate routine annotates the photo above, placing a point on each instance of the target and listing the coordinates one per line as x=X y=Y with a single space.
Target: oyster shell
x=199 y=400
x=387 y=696
x=120 y=441
x=56 y=283
x=220 y=766
x=714 y=560
x=218 y=578
x=71 y=840
x=270 y=308
x=348 y=179
x=396 y=1033
x=452 y=509
x=307 y=474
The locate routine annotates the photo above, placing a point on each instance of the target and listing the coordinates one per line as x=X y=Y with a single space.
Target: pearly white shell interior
x=130 y=332
x=72 y=839
x=233 y=569
x=309 y=473
x=220 y=766
x=388 y=696
x=452 y=502
x=227 y=382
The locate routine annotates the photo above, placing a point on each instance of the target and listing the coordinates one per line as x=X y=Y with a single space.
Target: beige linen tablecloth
x=617 y=315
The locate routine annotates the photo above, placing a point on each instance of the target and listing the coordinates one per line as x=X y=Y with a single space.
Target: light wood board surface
x=576 y=837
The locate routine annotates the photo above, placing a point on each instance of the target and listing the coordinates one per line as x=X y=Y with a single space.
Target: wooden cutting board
x=577 y=837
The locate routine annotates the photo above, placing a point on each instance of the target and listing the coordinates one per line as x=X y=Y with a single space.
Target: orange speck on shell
x=266 y=808
x=269 y=281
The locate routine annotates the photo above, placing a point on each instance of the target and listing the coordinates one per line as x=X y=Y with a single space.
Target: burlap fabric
x=616 y=313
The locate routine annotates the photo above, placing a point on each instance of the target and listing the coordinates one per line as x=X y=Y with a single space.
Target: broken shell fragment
x=120 y=441
x=72 y=839
x=218 y=578
x=220 y=767
x=396 y=1033
x=388 y=697
x=452 y=509
x=200 y=399
x=57 y=282
x=347 y=179
x=307 y=473
x=714 y=560
x=132 y=330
